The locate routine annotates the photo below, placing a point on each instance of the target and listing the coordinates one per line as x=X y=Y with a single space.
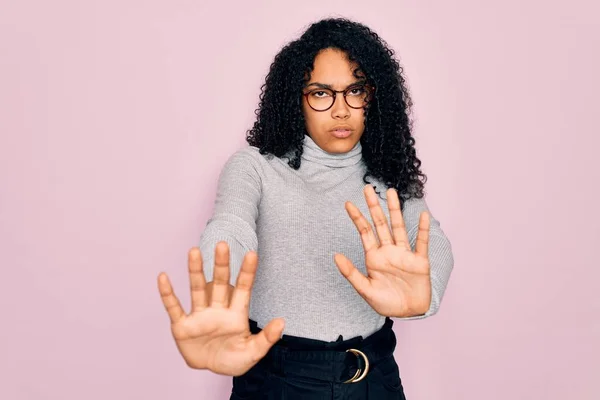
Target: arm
x=215 y=333
x=235 y=213
x=441 y=260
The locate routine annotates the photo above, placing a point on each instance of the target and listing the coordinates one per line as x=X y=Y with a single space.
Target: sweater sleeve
x=235 y=213
x=441 y=260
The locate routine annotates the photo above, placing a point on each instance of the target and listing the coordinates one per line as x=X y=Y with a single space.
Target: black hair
x=387 y=143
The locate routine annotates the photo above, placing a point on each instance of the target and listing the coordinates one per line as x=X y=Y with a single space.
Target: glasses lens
x=320 y=99
x=357 y=96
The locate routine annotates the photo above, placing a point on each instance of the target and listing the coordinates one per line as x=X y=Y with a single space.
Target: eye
x=356 y=91
x=320 y=93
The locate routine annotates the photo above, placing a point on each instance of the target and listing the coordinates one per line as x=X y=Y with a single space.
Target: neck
x=312 y=152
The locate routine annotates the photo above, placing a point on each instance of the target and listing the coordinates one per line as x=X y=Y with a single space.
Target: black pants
x=306 y=369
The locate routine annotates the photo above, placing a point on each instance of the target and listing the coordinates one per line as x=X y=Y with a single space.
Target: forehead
x=332 y=67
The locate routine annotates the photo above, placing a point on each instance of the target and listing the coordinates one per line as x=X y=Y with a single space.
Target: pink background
x=116 y=117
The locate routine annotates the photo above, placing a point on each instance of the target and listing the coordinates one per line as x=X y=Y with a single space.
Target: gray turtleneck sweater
x=296 y=221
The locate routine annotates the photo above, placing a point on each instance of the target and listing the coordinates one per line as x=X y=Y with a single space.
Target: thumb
x=266 y=338
x=359 y=281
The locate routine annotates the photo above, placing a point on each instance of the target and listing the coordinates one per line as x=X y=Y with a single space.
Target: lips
x=341 y=132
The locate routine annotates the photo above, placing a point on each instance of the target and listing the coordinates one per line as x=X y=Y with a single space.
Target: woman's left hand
x=397 y=282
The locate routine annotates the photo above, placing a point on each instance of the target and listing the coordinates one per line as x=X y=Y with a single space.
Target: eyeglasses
x=356 y=96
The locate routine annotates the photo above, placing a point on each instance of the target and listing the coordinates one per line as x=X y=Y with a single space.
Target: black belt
x=346 y=361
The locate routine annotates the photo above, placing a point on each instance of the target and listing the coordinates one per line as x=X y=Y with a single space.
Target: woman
x=331 y=141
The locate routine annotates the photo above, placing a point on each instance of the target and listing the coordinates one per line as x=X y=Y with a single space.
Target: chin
x=340 y=145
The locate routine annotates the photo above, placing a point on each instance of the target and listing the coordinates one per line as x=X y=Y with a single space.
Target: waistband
x=342 y=361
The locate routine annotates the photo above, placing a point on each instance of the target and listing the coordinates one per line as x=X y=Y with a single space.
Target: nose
x=340 y=109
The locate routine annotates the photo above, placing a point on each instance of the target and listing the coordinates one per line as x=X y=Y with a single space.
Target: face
x=339 y=128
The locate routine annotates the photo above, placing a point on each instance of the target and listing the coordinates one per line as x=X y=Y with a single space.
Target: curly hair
x=387 y=143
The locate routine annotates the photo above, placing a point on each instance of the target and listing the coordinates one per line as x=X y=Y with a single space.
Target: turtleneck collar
x=312 y=152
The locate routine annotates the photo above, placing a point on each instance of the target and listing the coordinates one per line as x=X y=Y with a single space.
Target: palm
x=216 y=334
x=210 y=321
x=397 y=281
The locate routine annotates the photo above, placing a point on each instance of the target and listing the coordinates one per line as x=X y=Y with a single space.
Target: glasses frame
x=370 y=88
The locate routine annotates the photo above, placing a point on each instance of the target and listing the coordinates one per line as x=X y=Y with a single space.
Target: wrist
x=409 y=312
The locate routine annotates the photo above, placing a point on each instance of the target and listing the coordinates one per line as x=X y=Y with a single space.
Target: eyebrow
x=326 y=86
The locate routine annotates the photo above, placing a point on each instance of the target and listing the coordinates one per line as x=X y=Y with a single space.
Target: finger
x=422 y=245
x=197 y=280
x=220 y=289
x=378 y=217
x=398 y=225
x=245 y=280
x=266 y=338
x=360 y=282
x=364 y=228
x=170 y=301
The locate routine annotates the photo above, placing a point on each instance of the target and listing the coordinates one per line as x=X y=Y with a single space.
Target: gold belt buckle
x=359 y=375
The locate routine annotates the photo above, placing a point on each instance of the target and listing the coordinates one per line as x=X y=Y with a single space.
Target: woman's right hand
x=216 y=335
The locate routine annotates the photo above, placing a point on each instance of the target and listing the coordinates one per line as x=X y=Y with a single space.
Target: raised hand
x=215 y=335
x=397 y=282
